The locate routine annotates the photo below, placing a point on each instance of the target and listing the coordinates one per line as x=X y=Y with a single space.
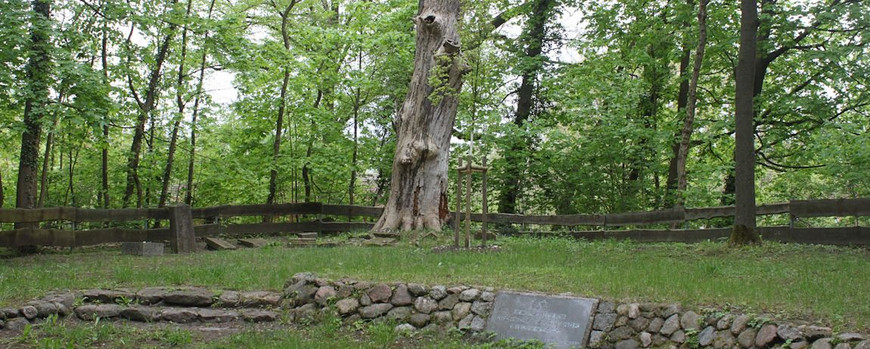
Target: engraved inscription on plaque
x=559 y=321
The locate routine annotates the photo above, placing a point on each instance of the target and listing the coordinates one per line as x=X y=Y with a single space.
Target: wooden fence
x=322 y=218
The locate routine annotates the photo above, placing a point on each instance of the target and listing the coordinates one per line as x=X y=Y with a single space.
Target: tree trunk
x=188 y=196
x=1 y=189
x=418 y=187
x=515 y=155
x=744 y=150
x=180 y=104
x=38 y=77
x=103 y=197
x=282 y=107
x=145 y=108
x=689 y=122
x=43 y=181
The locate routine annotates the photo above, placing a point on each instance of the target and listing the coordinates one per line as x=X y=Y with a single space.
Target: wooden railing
x=311 y=217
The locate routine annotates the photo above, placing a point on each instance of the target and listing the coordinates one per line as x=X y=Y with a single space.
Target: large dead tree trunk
x=418 y=188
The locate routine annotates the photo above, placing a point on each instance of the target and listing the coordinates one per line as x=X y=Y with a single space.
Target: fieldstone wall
x=307 y=298
x=412 y=306
x=634 y=325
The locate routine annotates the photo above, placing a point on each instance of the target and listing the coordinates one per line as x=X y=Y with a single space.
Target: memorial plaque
x=558 y=321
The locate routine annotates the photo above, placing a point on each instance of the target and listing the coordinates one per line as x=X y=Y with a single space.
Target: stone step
x=219 y=244
x=253 y=242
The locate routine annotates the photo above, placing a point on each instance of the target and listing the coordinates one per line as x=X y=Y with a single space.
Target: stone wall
x=306 y=299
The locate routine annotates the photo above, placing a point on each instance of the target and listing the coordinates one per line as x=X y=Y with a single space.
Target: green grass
x=823 y=283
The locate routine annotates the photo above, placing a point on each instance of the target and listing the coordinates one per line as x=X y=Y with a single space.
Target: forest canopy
x=579 y=106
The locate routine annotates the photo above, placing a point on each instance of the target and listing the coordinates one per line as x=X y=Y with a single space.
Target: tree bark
x=38 y=77
x=418 y=186
x=515 y=154
x=282 y=107
x=689 y=122
x=43 y=180
x=744 y=151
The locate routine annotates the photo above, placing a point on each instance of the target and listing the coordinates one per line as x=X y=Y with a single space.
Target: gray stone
x=324 y=294
x=843 y=346
x=2 y=324
x=194 y=297
x=658 y=340
x=375 y=310
x=627 y=344
x=347 y=306
x=141 y=314
x=344 y=291
x=364 y=300
x=215 y=315
x=725 y=322
x=456 y=289
x=469 y=295
x=306 y=312
x=89 y=312
x=442 y=317
x=478 y=324
x=179 y=315
x=596 y=339
x=679 y=337
x=747 y=337
x=799 y=345
x=816 y=332
x=151 y=295
x=380 y=293
x=17 y=324
x=724 y=339
x=655 y=325
x=633 y=310
x=417 y=289
x=448 y=302
x=711 y=319
x=605 y=307
x=622 y=320
x=487 y=296
x=639 y=324
x=523 y=315
x=63 y=310
x=481 y=308
x=461 y=310
x=145 y=249
x=622 y=309
x=849 y=337
x=419 y=320
x=258 y=315
x=65 y=298
x=765 y=336
x=305 y=277
x=230 y=299
x=107 y=296
x=425 y=305
x=789 y=333
x=438 y=293
x=739 y=324
x=9 y=313
x=405 y=328
x=865 y=344
x=402 y=296
x=824 y=343
x=706 y=336
x=260 y=299
x=400 y=314
x=671 y=325
x=690 y=321
x=465 y=323
x=621 y=333
x=29 y=312
x=645 y=339
x=362 y=285
x=604 y=322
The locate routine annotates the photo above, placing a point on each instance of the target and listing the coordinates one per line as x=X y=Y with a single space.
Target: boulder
x=402 y=296
x=375 y=310
x=380 y=293
x=347 y=306
x=194 y=297
x=425 y=305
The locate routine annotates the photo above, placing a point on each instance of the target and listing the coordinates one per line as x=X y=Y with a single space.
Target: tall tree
x=418 y=189
x=744 y=151
x=692 y=98
x=516 y=154
x=146 y=107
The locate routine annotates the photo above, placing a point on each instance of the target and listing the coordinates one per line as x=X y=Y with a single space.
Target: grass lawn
x=799 y=282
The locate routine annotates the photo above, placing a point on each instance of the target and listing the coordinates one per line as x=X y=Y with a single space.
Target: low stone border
x=413 y=306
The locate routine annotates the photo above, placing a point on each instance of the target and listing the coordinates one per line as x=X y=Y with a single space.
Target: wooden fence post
x=182 y=238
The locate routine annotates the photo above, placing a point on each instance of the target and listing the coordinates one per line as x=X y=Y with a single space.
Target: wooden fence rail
x=215 y=222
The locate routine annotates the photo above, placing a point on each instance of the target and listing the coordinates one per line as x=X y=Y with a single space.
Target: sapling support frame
x=465 y=172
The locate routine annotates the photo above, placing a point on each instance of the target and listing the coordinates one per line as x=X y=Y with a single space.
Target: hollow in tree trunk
x=418 y=187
